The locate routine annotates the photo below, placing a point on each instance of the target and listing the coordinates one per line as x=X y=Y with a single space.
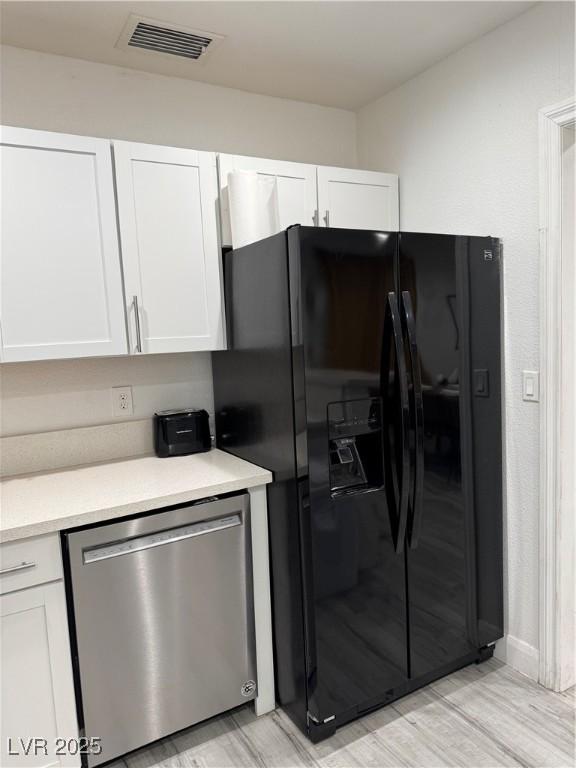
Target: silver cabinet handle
x=21 y=567
x=315 y=218
x=137 y=321
x=327 y=218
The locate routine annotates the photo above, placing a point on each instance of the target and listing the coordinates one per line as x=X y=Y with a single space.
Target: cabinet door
x=167 y=201
x=37 y=686
x=295 y=183
x=61 y=284
x=355 y=199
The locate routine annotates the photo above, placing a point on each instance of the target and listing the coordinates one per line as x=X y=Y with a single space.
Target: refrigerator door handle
x=398 y=508
x=418 y=417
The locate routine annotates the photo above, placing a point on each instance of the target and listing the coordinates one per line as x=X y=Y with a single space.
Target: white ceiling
x=341 y=54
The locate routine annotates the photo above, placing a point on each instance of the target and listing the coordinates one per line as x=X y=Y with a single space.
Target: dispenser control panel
x=355 y=445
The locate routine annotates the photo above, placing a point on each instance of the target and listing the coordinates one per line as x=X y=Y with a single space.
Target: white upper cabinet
x=167 y=200
x=61 y=293
x=355 y=199
x=295 y=184
x=61 y=289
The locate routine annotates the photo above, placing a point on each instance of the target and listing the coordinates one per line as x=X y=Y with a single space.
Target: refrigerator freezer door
x=354 y=578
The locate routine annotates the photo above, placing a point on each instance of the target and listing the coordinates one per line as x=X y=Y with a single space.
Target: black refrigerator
x=363 y=370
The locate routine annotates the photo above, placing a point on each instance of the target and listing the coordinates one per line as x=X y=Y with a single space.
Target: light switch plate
x=531 y=386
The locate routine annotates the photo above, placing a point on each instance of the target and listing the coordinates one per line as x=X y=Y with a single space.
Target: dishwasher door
x=163 y=621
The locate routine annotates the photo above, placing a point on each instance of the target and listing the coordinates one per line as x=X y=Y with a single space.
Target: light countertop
x=51 y=501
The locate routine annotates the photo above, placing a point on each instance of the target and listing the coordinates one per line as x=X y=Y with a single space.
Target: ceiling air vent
x=162 y=37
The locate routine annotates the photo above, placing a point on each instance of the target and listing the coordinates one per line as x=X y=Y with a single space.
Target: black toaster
x=180 y=432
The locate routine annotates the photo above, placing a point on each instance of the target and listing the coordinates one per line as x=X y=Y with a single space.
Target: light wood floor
x=485 y=715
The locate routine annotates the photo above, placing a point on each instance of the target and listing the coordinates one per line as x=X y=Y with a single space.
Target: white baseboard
x=519 y=655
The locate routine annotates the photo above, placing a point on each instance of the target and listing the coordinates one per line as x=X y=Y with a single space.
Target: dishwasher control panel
x=139 y=543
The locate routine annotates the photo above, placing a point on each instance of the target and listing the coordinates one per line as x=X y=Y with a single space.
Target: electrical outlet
x=122 y=402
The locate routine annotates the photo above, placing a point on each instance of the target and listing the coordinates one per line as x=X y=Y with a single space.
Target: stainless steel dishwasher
x=163 y=619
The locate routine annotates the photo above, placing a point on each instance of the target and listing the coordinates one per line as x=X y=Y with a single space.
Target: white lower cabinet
x=38 y=712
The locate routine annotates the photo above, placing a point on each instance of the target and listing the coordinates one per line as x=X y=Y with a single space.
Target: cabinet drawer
x=26 y=562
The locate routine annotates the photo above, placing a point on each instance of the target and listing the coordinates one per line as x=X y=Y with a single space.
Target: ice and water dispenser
x=355 y=446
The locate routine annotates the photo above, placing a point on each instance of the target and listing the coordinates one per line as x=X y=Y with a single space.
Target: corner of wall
x=521 y=656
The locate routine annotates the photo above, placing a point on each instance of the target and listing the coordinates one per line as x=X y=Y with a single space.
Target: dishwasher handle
x=139 y=543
